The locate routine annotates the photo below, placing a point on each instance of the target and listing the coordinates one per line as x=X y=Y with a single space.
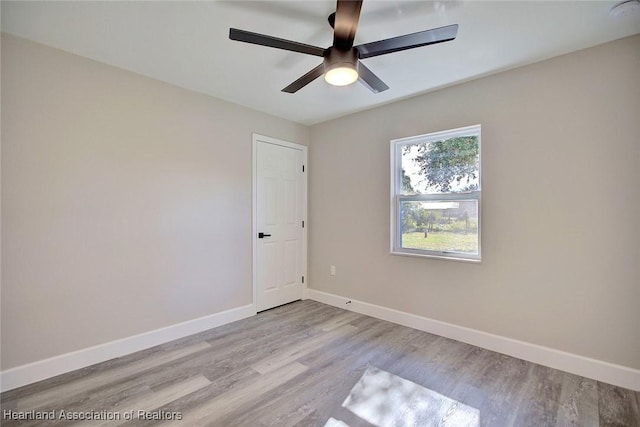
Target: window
x=435 y=195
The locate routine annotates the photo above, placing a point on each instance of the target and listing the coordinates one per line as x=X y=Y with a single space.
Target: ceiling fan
x=341 y=65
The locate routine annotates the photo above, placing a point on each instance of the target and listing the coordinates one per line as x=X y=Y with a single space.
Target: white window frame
x=397 y=197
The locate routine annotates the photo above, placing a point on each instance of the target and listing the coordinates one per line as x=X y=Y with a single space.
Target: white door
x=279 y=247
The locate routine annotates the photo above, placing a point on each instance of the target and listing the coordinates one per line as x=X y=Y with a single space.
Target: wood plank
x=578 y=402
x=153 y=400
x=288 y=354
x=86 y=384
x=617 y=406
x=240 y=395
x=540 y=396
x=503 y=384
x=337 y=321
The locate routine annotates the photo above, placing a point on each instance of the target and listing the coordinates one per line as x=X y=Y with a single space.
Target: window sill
x=438 y=257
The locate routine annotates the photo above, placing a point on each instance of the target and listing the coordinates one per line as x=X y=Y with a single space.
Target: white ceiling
x=186 y=44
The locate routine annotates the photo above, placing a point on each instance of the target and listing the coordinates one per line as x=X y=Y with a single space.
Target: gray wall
x=126 y=202
x=561 y=205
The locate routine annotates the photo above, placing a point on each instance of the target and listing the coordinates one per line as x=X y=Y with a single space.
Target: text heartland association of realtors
x=91 y=415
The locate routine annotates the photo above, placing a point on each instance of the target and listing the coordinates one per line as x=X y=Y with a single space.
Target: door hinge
x=302 y=168
x=302 y=224
x=302 y=279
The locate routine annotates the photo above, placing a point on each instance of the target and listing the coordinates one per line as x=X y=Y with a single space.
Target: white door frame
x=254 y=217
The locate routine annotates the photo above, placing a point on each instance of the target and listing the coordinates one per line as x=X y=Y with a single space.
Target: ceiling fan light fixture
x=341 y=67
x=341 y=74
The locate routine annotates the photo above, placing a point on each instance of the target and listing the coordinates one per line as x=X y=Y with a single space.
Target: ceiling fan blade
x=305 y=80
x=269 y=41
x=370 y=80
x=409 y=41
x=346 y=23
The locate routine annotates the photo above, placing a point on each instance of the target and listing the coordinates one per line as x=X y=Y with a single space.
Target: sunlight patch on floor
x=384 y=399
x=332 y=422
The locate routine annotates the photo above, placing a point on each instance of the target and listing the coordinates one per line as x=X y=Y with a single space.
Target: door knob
x=262 y=235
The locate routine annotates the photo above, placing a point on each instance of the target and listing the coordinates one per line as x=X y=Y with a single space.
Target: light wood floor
x=309 y=364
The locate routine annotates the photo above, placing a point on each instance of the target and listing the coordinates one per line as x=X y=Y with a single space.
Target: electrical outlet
x=333 y=270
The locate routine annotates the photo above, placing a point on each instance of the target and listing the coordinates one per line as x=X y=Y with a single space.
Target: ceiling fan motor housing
x=335 y=58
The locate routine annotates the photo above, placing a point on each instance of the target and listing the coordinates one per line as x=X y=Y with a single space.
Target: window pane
x=450 y=165
x=441 y=226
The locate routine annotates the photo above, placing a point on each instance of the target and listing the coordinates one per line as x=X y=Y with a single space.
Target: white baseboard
x=47 y=368
x=586 y=367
